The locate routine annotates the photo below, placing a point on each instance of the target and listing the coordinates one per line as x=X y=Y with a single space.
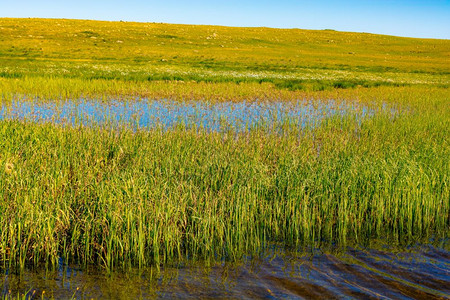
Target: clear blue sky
x=395 y=17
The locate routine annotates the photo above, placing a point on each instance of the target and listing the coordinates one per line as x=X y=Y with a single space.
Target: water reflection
x=421 y=272
x=145 y=113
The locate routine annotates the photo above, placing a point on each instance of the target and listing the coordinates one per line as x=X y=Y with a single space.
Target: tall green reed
x=119 y=198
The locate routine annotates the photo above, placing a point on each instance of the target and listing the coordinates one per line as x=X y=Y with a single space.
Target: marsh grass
x=19 y=296
x=149 y=197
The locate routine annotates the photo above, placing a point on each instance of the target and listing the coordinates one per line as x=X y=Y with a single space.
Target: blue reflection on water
x=145 y=113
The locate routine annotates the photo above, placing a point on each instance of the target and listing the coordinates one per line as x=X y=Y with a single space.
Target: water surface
x=419 y=272
x=146 y=113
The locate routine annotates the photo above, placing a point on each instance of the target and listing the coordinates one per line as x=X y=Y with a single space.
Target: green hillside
x=289 y=58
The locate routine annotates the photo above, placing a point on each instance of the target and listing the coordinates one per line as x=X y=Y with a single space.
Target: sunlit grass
x=217 y=47
x=117 y=53
x=149 y=197
x=118 y=198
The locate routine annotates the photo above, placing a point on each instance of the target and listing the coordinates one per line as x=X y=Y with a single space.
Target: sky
x=428 y=19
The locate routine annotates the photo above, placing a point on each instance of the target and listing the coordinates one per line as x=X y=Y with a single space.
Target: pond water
x=419 y=272
x=145 y=113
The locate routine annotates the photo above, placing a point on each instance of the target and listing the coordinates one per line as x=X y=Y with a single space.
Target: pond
x=420 y=272
x=146 y=113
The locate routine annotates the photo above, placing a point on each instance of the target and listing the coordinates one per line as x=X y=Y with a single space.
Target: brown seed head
x=9 y=167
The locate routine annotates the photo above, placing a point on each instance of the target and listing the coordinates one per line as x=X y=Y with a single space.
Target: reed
x=147 y=197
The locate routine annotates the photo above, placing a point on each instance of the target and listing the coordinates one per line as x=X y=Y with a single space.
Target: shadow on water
x=419 y=272
x=145 y=113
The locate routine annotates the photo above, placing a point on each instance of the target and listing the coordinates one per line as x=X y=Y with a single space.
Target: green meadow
x=121 y=198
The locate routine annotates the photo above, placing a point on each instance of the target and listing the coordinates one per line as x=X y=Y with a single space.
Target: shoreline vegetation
x=125 y=198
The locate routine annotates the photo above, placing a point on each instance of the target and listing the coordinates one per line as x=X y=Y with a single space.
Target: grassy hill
x=289 y=58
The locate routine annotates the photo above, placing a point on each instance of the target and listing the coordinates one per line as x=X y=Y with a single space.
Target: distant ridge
x=175 y=52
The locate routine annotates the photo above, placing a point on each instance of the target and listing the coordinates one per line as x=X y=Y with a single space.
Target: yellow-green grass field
x=130 y=56
x=120 y=198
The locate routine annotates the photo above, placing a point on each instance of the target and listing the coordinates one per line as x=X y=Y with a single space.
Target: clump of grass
x=19 y=296
x=321 y=85
x=9 y=167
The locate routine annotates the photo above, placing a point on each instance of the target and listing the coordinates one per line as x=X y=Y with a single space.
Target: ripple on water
x=421 y=272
